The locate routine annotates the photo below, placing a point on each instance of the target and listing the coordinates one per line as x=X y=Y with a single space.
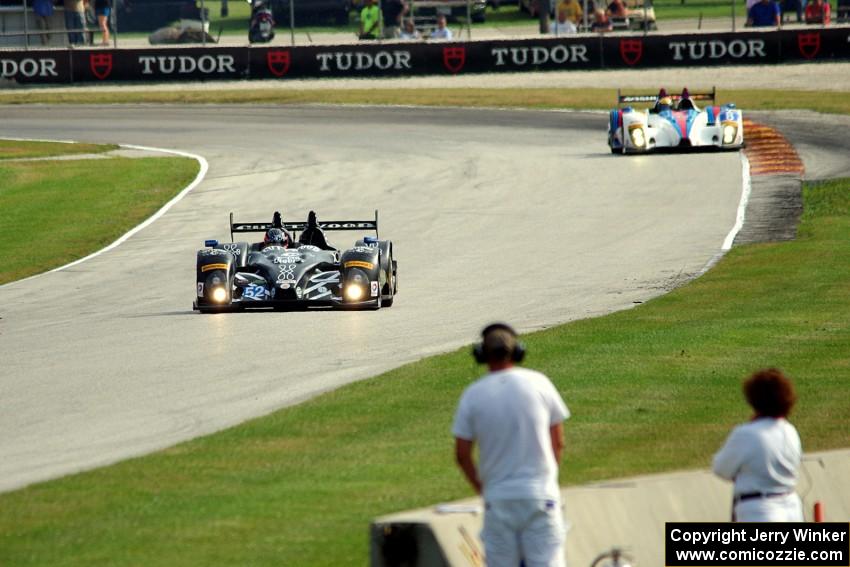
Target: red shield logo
x=278 y=62
x=454 y=58
x=631 y=50
x=808 y=44
x=100 y=64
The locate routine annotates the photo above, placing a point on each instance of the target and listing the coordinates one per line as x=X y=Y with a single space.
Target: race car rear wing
x=630 y=98
x=296 y=226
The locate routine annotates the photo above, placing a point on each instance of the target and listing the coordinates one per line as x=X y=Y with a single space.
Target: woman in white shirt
x=762 y=456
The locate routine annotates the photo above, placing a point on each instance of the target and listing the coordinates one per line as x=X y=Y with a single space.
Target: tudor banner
x=400 y=59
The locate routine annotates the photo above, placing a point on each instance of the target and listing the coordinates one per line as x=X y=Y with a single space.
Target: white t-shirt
x=509 y=413
x=760 y=456
x=444 y=33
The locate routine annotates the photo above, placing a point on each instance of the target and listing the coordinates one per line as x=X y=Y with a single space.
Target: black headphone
x=481 y=355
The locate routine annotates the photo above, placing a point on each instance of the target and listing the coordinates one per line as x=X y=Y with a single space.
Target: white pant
x=786 y=508
x=528 y=530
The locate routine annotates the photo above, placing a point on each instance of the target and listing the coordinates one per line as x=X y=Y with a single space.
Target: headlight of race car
x=638 y=137
x=729 y=133
x=219 y=294
x=353 y=292
x=355 y=286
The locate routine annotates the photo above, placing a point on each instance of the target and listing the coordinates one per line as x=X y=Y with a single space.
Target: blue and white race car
x=673 y=122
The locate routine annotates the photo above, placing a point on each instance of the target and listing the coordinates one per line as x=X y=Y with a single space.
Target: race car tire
x=392 y=284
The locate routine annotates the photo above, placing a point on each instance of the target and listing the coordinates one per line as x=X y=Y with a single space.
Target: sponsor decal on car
x=200 y=289
x=288 y=259
x=374 y=289
x=210 y=267
x=359 y=264
x=212 y=252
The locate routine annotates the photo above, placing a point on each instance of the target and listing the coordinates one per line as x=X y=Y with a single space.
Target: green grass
x=85 y=203
x=830 y=102
x=10 y=149
x=651 y=389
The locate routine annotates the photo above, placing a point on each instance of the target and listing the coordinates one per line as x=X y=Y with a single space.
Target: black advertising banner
x=750 y=48
x=195 y=63
x=757 y=544
x=401 y=59
x=808 y=44
x=550 y=54
x=36 y=66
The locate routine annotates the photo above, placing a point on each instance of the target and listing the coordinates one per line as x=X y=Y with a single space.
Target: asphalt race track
x=523 y=216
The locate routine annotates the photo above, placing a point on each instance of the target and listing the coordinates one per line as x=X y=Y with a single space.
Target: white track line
x=740 y=217
x=742 y=206
x=195 y=182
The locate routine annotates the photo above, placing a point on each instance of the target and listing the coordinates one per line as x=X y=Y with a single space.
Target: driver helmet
x=276 y=237
x=665 y=102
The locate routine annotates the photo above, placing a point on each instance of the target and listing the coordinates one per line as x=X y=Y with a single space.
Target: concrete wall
x=629 y=514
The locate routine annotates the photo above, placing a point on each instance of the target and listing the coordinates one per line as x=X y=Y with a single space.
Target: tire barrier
x=407 y=59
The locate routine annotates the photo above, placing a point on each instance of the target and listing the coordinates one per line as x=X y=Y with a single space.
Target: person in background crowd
x=75 y=20
x=370 y=21
x=601 y=23
x=102 y=10
x=43 y=9
x=817 y=12
x=616 y=9
x=393 y=11
x=441 y=31
x=762 y=457
x=563 y=25
x=764 y=13
x=789 y=6
x=516 y=416
x=572 y=9
x=409 y=30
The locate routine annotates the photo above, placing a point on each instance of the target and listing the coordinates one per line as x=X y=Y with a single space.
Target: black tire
x=392 y=286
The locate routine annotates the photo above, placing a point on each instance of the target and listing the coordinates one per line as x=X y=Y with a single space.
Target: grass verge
x=83 y=205
x=651 y=389
x=12 y=149
x=830 y=102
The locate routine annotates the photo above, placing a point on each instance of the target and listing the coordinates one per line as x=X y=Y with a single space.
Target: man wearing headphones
x=516 y=416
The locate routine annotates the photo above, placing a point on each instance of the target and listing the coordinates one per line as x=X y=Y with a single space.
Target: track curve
x=514 y=215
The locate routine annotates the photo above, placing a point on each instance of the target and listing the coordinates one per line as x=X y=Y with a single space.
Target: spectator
x=616 y=9
x=764 y=13
x=43 y=10
x=763 y=455
x=789 y=6
x=75 y=20
x=572 y=9
x=441 y=31
x=516 y=416
x=393 y=11
x=601 y=23
x=370 y=21
x=410 y=31
x=817 y=12
x=563 y=25
x=102 y=9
